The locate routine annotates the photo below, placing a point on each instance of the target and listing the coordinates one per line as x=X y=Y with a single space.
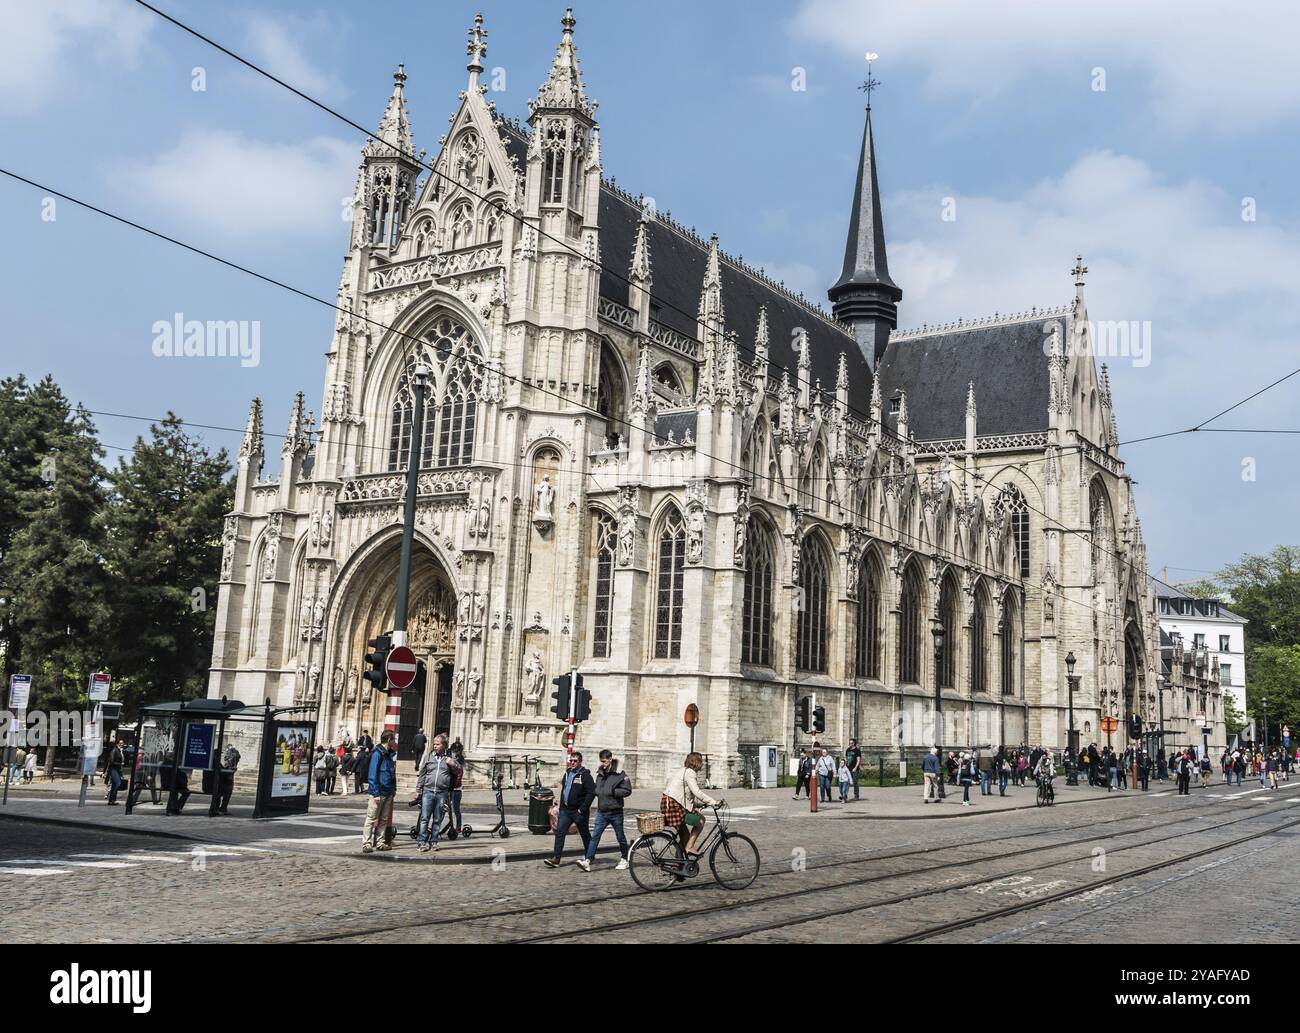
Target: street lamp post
x=1072 y=746
x=937 y=630
x=1265 y=749
x=1160 y=745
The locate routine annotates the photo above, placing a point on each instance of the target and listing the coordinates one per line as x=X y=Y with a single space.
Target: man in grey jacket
x=612 y=788
x=437 y=776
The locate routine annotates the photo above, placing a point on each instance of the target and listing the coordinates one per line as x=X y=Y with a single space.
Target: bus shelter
x=181 y=743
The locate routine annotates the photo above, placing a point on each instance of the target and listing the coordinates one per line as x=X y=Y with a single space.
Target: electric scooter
x=500 y=828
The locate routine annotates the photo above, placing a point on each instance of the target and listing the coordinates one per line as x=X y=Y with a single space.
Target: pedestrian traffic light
x=560 y=708
x=1134 y=726
x=376 y=659
x=819 y=719
x=803 y=714
x=581 y=701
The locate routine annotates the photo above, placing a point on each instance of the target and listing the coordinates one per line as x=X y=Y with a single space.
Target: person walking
x=1144 y=768
x=318 y=770
x=226 y=778
x=966 y=775
x=577 y=791
x=419 y=743
x=331 y=771
x=933 y=775
x=1022 y=767
x=985 y=766
x=458 y=755
x=1004 y=772
x=853 y=758
x=436 y=779
x=382 y=779
x=113 y=771
x=803 y=775
x=1184 y=773
x=29 y=767
x=825 y=773
x=612 y=788
x=844 y=776
x=361 y=770
x=347 y=767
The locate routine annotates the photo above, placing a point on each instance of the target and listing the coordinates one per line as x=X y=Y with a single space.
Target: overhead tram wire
x=415 y=159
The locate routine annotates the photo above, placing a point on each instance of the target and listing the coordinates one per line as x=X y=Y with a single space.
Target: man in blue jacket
x=383 y=786
x=577 y=790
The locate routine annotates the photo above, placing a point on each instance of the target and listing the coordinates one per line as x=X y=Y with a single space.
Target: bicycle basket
x=647 y=824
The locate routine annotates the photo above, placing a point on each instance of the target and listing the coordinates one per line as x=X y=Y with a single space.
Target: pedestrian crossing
x=198 y=857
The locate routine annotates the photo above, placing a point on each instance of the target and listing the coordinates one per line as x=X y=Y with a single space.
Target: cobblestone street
x=882 y=869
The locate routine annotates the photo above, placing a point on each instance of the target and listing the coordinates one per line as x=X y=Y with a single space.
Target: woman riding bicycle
x=1046 y=770
x=680 y=801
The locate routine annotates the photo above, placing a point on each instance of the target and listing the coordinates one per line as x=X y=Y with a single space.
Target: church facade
x=645 y=460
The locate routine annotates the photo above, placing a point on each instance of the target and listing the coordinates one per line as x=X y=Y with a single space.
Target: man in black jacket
x=612 y=788
x=577 y=790
x=418 y=745
x=113 y=771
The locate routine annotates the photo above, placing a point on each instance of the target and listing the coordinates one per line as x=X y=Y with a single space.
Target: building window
x=868 y=658
x=1225 y=674
x=948 y=618
x=1198 y=642
x=553 y=163
x=462 y=227
x=909 y=637
x=1009 y=632
x=1012 y=502
x=605 y=538
x=1225 y=644
x=979 y=645
x=756 y=620
x=668 y=588
x=810 y=641
x=450 y=400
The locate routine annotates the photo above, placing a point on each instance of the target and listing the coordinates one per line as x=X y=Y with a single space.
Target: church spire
x=251 y=448
x=711 y=316
x=395 y=126
x=476 y=48
x=864 y=295
x=563 y=88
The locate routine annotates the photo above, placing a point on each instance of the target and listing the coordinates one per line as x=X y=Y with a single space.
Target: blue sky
x=994 y=105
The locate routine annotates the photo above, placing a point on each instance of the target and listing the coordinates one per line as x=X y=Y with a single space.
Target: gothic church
x=646 y=460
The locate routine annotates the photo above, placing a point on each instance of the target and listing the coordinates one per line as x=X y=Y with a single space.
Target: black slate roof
x=1006 y=361
x=677 y=265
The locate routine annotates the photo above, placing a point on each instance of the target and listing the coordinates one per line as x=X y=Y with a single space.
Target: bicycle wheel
x=652 y=861
x=734 y=860
x=1042 y=795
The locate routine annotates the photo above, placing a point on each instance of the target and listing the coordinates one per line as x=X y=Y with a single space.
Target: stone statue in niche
x=352 y=685
x=336 y=687
x=534 y=680
x=626 y=542
x=313 y=676
x=544 y=510
x=695 y=535
x=472 y=684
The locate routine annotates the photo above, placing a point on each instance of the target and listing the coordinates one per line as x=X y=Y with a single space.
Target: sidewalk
x=333 y=824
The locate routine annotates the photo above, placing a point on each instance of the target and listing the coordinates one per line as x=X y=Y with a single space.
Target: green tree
x=53 y=610
x=1266 y=591
x=1273 y=673
x=164 y=521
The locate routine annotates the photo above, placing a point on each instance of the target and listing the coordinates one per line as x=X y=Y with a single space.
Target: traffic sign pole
x=392 y=719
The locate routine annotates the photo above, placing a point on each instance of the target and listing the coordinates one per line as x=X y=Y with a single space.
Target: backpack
x=331 y=762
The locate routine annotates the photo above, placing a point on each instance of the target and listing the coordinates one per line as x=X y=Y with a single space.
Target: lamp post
x=1160 y=745
x=1072 y=747
x=937 y=630
x=1265 y=749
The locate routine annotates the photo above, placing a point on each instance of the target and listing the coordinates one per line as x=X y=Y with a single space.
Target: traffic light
x=560 y=708
x=803 y=714
x=376 y=659
x=581 y=702
x=1134 y=726
x=819 y=719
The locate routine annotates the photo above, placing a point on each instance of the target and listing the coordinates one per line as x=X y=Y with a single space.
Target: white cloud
x=274 y=43
x=1197 y=64
x=223 y=181
x=44 y=44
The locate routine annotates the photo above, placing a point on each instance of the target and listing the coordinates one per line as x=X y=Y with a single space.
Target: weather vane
x=871 y=81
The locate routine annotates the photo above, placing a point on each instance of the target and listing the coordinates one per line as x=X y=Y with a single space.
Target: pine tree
x=53 y=609
x=164 y=556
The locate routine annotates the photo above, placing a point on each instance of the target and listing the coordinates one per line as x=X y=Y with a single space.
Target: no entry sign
x=401 y=667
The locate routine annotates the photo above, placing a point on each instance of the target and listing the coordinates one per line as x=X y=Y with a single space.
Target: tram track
x=442 y=918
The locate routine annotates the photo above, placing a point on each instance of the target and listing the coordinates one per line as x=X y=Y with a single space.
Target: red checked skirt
x=673 y=812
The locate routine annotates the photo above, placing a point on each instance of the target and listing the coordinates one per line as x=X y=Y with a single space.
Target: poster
x=198 y=747
x=291 y=775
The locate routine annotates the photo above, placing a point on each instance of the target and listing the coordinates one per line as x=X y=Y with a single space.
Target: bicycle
x=1046 y=794
x=658 y=861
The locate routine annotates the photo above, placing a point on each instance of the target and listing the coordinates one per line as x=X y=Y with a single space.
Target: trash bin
x=539 y=810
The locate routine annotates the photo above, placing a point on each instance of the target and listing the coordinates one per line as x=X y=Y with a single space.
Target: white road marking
x=33 y=871
x=74 y=864
x=134 y=857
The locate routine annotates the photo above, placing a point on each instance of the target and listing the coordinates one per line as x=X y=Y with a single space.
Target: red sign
x=1109 y=724
x=692 y=715
x=401 y=667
